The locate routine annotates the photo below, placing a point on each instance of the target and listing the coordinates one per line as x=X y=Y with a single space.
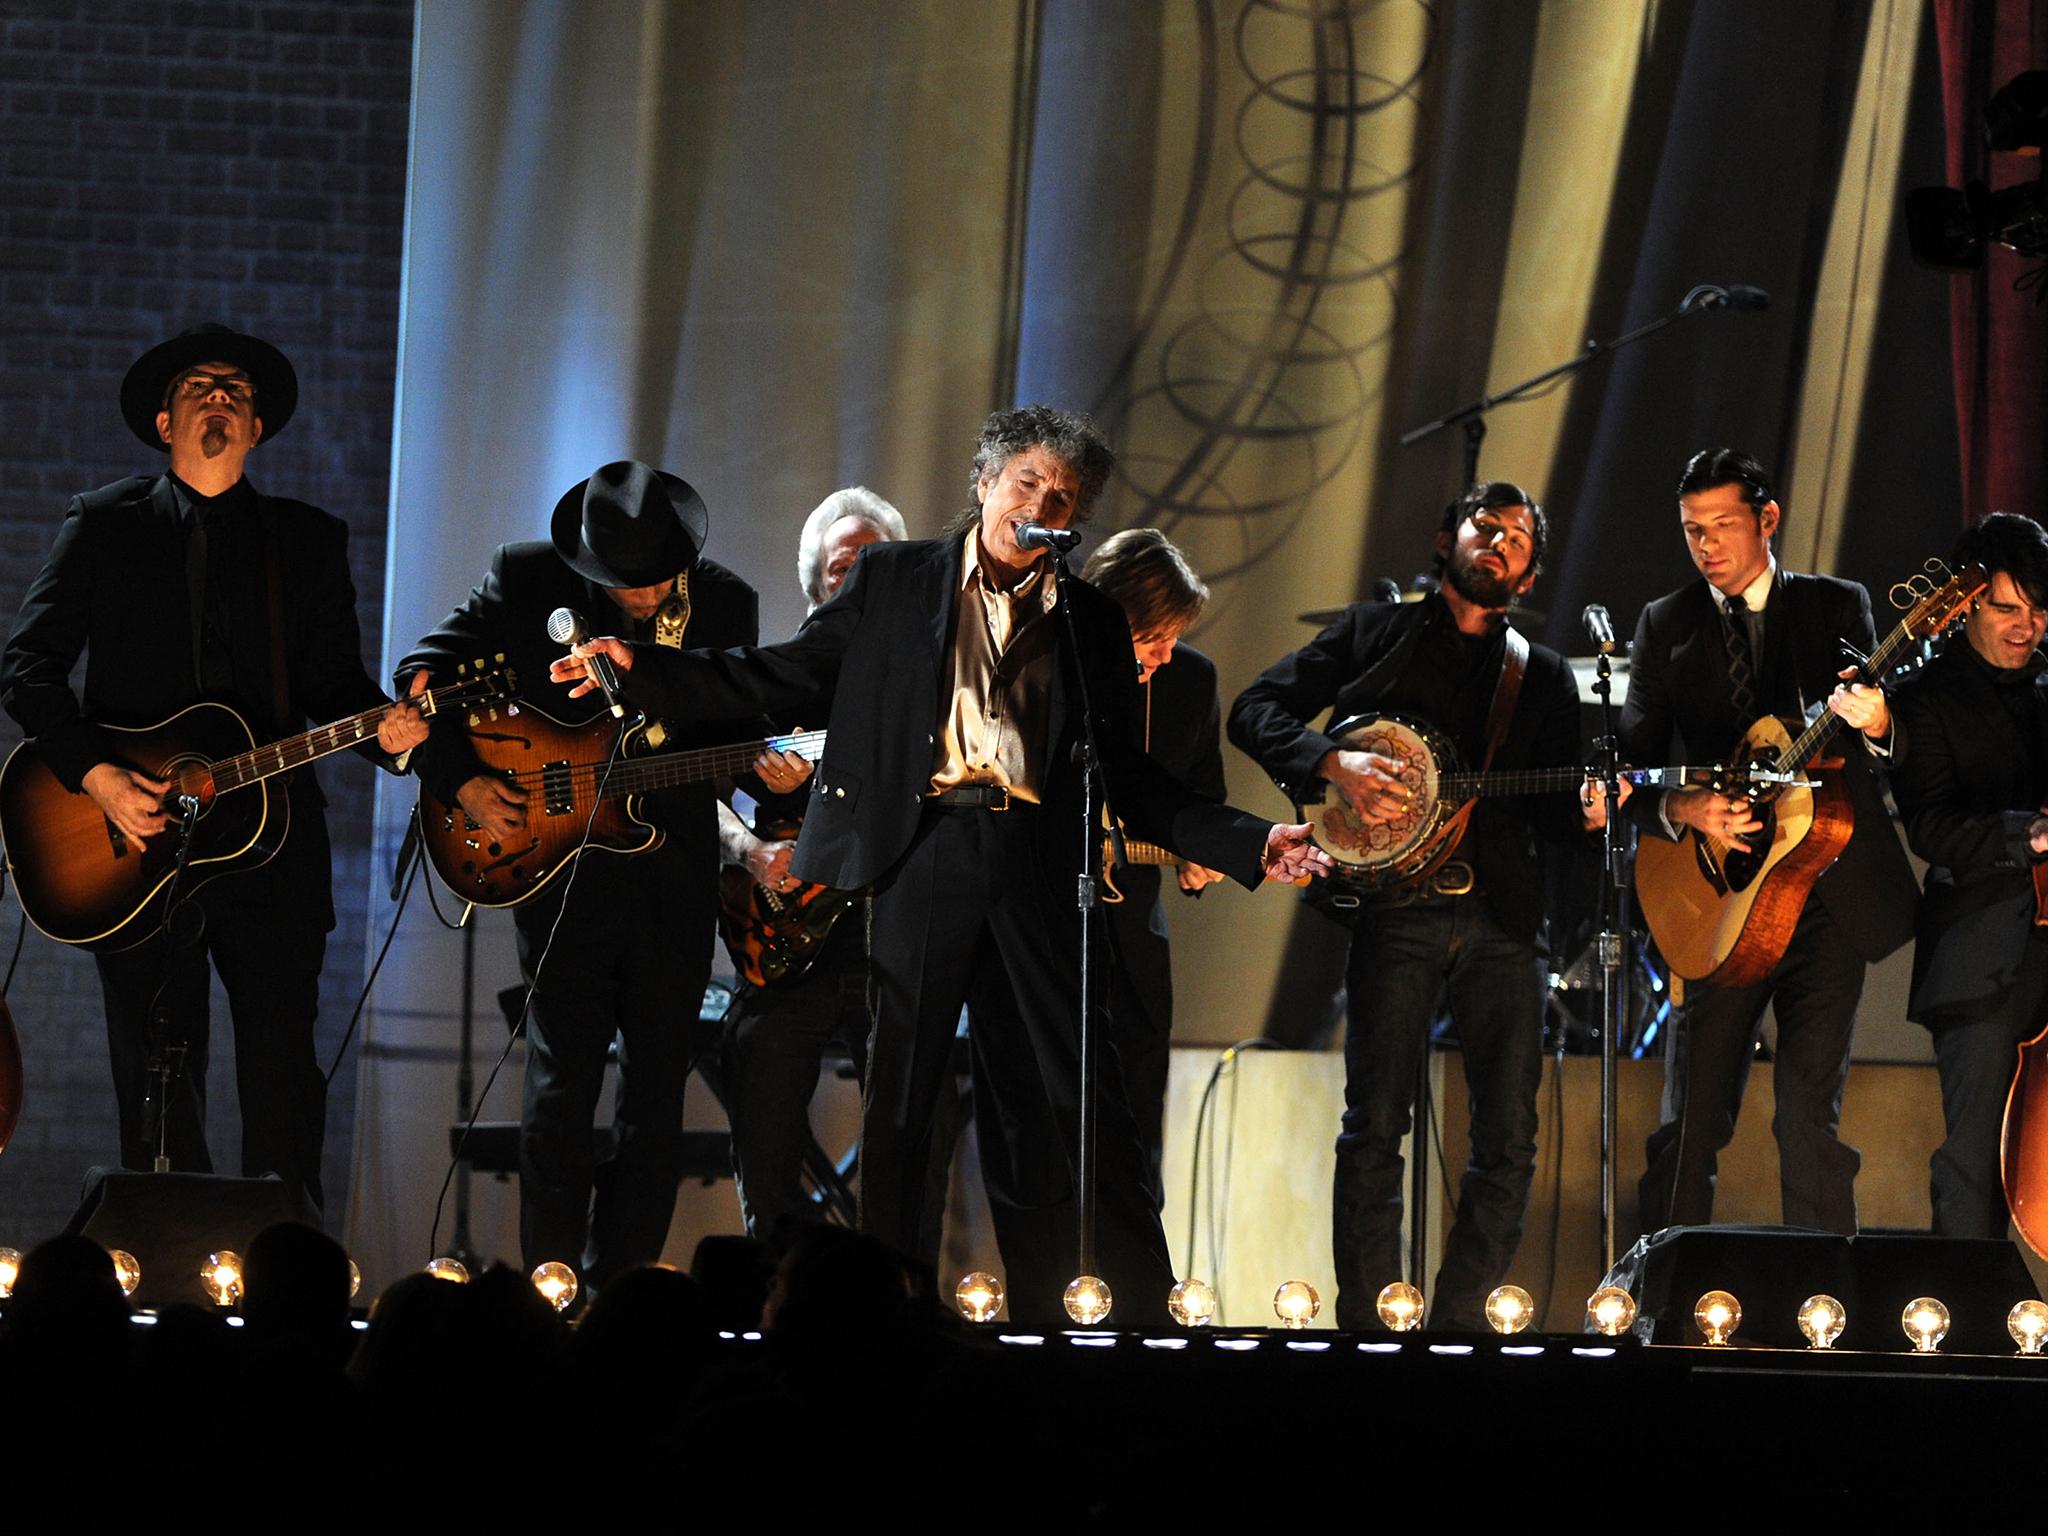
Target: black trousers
x=629 y=962
x=265 y=932
x=1815 y=988
x=1977 y=1059
x=969 y=916
x=775 y=1039
x=1404 y=962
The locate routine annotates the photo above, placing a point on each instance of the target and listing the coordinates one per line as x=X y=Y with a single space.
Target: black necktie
x=195 y=591
x=1741 y=663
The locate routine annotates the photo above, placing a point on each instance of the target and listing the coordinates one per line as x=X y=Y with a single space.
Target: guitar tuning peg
x=500 y=658
x=462 y=669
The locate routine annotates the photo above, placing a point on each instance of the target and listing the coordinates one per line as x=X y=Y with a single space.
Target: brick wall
x=163 y=164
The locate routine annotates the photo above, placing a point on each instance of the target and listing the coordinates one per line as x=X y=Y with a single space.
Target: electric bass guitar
x=83 y=881
x=1723 y=914
x=775 y=936
x=569 y=780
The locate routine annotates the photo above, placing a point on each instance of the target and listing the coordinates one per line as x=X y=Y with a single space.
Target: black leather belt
x=980 y=797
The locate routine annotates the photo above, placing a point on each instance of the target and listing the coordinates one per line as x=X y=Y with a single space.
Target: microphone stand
x=1613 y=936
x=167 y=1057
x=1086 y=899
x=1472 y=417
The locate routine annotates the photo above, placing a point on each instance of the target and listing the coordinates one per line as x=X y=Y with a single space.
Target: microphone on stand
x=1038 y=536
x=565 y=627
x=1725 y=296
x=1598 y=626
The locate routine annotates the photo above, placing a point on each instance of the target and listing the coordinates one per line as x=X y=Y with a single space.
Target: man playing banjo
x=1471 y=927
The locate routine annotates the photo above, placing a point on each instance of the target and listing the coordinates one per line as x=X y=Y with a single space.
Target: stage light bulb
x=1610 y=1311
x=556 y=1283
x=449 y=1269
x=355 y=1280
x=10 y=1270
x=1717 y=1315
x=1822 y=1319
x=126 y=1270
x=2028 y=1324
x=1295 y=1303
x=979 y=1297
x=1192 y=1303
x=1509 y=1309
x=1088 y=1300
x=1399 y=1306
x=221 y=1274
x=1926 y=1323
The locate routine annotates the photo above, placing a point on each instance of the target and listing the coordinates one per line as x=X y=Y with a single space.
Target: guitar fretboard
x=294 y=751
x=645 y=775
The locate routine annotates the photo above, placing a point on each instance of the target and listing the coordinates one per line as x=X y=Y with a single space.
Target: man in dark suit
x=627 y=940
x=949 y=784
x=1972 y=791
x=1708 y=660
x=1473 y=930
x=1161 y=597
x=179 y=587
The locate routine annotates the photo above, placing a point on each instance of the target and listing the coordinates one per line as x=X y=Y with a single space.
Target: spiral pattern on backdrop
x=1254 y=394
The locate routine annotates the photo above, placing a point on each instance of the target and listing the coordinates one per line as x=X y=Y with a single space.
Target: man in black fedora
x=627 y=939
x=193 y=585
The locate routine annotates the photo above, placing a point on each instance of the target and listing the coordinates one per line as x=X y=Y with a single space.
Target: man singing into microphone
x=631 y=953
x=949 y=784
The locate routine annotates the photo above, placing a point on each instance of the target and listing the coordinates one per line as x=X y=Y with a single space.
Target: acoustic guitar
x=1724 y=915
x=82 y=881
x=560 y=772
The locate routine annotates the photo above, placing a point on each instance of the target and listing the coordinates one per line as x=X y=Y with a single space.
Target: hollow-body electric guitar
x=561 y=772
x=775 y=936
x=83 y=881
x=1723 y=914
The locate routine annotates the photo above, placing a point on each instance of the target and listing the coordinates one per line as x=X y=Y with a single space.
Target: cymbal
x=1585 y=672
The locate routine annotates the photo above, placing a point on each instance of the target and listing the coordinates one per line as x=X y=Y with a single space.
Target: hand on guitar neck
x=404 y=726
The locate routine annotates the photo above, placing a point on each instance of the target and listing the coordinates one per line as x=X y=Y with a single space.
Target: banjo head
x=1389 y=850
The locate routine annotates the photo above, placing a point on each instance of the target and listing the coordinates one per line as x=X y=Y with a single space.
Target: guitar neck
x=700 y=766
x=1136 y=852
x=1810 y=741
x=295 y=751
x=1545 y=781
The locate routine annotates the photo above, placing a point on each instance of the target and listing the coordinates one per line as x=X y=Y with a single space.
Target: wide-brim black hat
x=142 y=391
x=630 y=526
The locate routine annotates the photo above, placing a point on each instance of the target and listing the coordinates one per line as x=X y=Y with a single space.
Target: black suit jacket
x=1184 y=726
x=1679 y=703
x=879 y=650
x=507 y=613
x=114 y=588
x=1968 y=790
x=1340 y=671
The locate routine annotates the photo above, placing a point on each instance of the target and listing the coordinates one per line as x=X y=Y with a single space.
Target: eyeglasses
x=197 y=385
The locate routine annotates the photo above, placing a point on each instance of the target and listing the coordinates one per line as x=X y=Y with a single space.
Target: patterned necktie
x=1741 y=664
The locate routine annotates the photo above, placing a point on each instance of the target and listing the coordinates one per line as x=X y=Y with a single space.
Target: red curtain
x=1999 y=336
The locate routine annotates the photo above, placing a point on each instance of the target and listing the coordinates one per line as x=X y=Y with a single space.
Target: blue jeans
x=1404 y=961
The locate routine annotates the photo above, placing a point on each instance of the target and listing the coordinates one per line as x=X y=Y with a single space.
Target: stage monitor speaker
x=172 y=1221
x=1771 y=1270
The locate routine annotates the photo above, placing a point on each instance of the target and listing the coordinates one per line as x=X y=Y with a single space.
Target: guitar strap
x=1514 y=664
x=670 y=620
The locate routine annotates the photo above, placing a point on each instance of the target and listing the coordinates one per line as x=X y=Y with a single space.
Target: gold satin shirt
x=1001 y=700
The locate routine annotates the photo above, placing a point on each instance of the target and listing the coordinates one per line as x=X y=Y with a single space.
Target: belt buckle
x=998 y=797
x=1452 y=879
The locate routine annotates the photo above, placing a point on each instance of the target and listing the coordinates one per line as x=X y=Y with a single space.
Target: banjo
x=1403 y=851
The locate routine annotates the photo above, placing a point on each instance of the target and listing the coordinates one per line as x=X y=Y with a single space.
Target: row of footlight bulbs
x=221 y=1275
x=1610 y=1310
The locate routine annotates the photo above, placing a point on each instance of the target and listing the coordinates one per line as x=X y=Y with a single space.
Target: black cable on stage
x=435 y=902
x=20 y=932
x=363 y=997
x=1226 y=1059
x=526 y=1009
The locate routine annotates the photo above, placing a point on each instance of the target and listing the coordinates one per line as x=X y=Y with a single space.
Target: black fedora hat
x=630 y=526
x=142 y=391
